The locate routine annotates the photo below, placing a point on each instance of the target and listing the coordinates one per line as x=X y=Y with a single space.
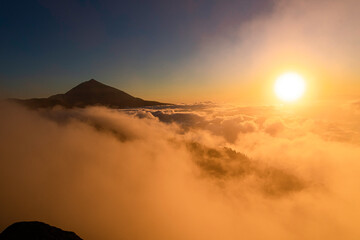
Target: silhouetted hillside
x=90 y=93
x=36 y=231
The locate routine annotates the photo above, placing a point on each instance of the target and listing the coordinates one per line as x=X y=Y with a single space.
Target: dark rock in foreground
x=36 y=231
x=89 y=93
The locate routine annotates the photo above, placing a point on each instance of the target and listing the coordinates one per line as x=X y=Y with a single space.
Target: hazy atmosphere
x=180 y=119
x=187 y=172
x=180 y=51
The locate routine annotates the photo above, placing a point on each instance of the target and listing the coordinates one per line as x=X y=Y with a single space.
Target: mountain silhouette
x=36 y=231
x=90 y=93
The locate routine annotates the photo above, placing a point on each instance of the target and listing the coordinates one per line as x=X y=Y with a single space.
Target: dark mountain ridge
x=90 y=93
x=36 y=231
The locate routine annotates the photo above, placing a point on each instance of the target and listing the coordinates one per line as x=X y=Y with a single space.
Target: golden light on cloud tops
x=289 y=87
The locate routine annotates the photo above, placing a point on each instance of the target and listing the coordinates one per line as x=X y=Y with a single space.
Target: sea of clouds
x=200 y=171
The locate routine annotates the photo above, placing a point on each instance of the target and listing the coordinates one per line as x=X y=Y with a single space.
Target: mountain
x=36 y=231
x=90 y=93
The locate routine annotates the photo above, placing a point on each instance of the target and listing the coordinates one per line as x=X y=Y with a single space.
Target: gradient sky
x=173 y=50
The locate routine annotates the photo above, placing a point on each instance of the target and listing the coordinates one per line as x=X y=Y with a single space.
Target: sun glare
x=289 y=87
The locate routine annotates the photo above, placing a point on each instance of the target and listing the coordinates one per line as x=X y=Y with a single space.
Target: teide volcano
x=90 y=93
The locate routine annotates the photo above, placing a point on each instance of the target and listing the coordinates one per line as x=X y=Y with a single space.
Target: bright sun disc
x=289 y=87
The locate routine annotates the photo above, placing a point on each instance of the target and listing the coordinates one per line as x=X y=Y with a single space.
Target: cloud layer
x=200 y=171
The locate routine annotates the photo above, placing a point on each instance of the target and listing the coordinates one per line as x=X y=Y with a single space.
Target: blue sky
x=47 y=46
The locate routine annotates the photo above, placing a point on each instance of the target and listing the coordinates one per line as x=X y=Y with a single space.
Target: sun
x=289 y=87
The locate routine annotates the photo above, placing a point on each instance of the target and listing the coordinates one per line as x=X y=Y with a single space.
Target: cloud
x=356 y=104
x=178 y=173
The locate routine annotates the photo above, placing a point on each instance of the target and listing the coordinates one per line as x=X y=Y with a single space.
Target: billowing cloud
x=180 y=172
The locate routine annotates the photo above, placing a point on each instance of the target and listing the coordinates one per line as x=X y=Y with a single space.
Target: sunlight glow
x=289 y=87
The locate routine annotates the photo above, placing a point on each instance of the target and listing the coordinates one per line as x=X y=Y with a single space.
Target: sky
x=179 y=51
x=227 y=161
